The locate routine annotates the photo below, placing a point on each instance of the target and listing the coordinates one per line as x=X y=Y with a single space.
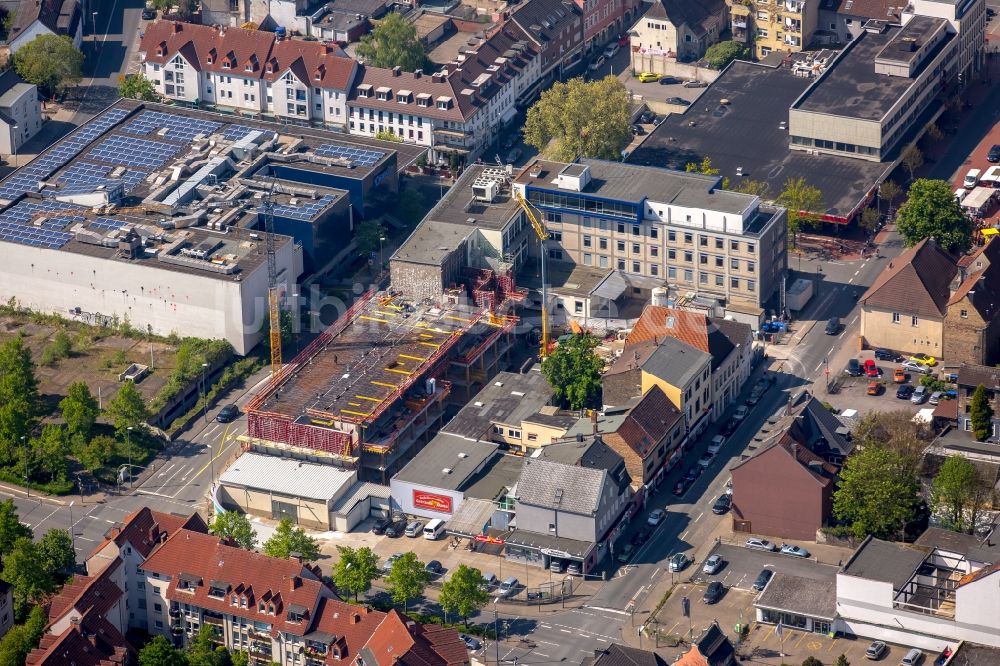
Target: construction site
x=373 y=388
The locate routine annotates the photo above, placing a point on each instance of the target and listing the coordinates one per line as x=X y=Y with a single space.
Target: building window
x=635 y=248
x=895 y=317
x=913 y=320
x=671 y=254
x=718 y=281
x=703 y=259
x=621 y=227
x=621 y=264
x=588 y=259
x=750 y=248
x=635 y=229
x=555 y=254
x=603 y=260
x=718 y=243
x=688 y=256
x=964 y=314
x=734 y=283
x=654 y=269
x=602 y=243
x=654 y=251
x=751 y=285
x=671 y=235
x=703 y=278
x=159 y=624
x=671 y=273
x=688 y=274
x=734 y=246
x=734 y=264
x=751 y=266
x=652 y=232
x=577 y=307
x=556 y=236
x=688 y=239
x=157 y=608
x=635 y=267
x=718 y=262
x=621 y=246
x=703 y=241
x=587 y=241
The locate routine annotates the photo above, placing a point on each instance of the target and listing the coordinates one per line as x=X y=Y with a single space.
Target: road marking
x=818 y=366
x=857 y=272
x=542 y=654
x=683 y=536
x=851 y=280
x=854 y=320
x=699 y=516
x=566 y=631
x=538 y=640
x=547 y=626
x=43 y=519
x=606 y=610
x=83 y=538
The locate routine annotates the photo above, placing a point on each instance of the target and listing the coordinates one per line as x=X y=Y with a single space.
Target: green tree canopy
x=393 y=43
x=355 y=570
x=11 y=528
x=981 y=414
x=202 y=651
x=464 y=593
x=18 y=397
x=159 y=652
x=50 y=451
x=127 y=409
x=721 y=54
x=954 y=488
x=895 y=430
x=367 y=236
x=931 y=211
x=57 y=552
x=748 y=186
x=288 y=539
x=25 y=568
x=407 y=579
x=236 y=526
x=137 y=86
x=574 y=372
x=705 y=167
x=51 y=62
x=23 y=638
x=804 y=203
x=580 y=119
x=877 y=494
x=79 y=410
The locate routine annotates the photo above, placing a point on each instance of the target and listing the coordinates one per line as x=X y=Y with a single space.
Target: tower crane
x=543 y=235
x=274 y=312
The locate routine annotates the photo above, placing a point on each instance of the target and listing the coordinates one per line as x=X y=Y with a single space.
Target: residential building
x=6 y=607
x=928 y=597
x=573 y=499
x=681 y=371
x=841 y=21
x=900 y=71
x=20 y=112
x=88 y=640
x=671 y=32
x=904 y=309
x=623 y=655
x=712 y=648
x=603 y=20
x=249 y=72
x=774 y=26
x=729 y=342
x=659 y=227
x=969 y=378
x=555 y=31
x=33 y=18
x=972 y=318
x=399 y=641
x=783 y=490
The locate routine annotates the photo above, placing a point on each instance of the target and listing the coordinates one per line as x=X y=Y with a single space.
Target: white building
x=20 y=112
x=33 y=18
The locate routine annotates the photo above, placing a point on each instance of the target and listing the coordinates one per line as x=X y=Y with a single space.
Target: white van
x=971 y=178
x=960 y=194
x=434 y=529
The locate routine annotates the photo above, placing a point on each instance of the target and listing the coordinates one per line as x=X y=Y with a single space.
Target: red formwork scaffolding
x=281 y=429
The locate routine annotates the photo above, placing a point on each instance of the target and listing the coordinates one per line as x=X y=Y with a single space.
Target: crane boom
x=543 y=235
x=274 y=312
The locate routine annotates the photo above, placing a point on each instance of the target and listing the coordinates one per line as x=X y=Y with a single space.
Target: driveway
x=743 y=566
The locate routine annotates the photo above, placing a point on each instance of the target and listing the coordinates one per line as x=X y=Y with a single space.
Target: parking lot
x=852 y=392
x=742 y=565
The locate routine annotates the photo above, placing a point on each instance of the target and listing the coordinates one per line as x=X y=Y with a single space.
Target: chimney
x=177 y=27
x=417 y=73
x=593 y=421
x=579 y=436
x=356 y=619
x=396 y=70
x=294 y=582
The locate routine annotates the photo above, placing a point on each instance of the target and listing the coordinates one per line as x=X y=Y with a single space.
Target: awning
x=611 y=287
x=509 y=114
x=472 y=518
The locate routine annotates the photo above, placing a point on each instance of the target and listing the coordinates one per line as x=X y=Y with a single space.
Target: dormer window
x=382 y=93
x=424 y=100
x=270 y=609
x=248 y=68
x=404 y=96
x=364 y=90
x=444 y=103
x=261 y=607
x=218 y=589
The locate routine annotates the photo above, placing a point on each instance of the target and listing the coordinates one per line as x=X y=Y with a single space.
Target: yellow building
x=768 y=26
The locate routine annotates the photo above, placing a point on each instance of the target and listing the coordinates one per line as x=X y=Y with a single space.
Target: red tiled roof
x=259 y=577
x=87 y=593
x=399 y=640
x=978 y=573
x=648 y=422
x=92 y=642
x=308 y=60
x=352 y=625
x=689 y=327
x=144 y=528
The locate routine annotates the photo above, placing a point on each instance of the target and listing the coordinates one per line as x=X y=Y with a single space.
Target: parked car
x=871 y=370
x=396 y=528
x=148 y=13
x=741 y=412
x=994 y=154
x=611 y=50
x=762 y=579
x=508 y=587
x=510 y=141
x=792 y=549
x=679 y=562
x=833 y=326
x=647 y=117
x=874 y=388
x=387 y=565
x=596 y=64
x=513 y=155
x=228 y=413
x=434 y=568
x=414 y=528
x=706 y=460
x=716 y=444
x=489 y=581
x=732 y=425
x=625 y=553
x=557 y=566
x=656 y=517
x=912 y=658
x=712 y=564
x=679 y=101
x=380 y=525
x=854 y=368
x=669 y=80
x=692 y=473
x=913 y=366
x=876 y=650
x=573 y=568
x=641 y=537
x=936 y=397
x=722 y=504
x=899 y=376
x=713 y=592
x=919 y=395
x=471 y=643
x=681 y=487
x=761 y=544
x=904 y=392
x=623 y=39
x=924 y=359
x=647 y=77
x=636 y=130
x=754 y=396
x=695 y=84
x=887 y=355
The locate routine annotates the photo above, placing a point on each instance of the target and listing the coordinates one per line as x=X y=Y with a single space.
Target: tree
x=203 y=652
x=367 y=236
x=288 y=539
x=756 y=187
x=580 y=119
x=804 y=203
x=240 y=659
x=889 y=191
x=464 y=593
x=96 y=453
x=705 y=167
x=896 y=431
x=953 y=488
x=57 y=552
x=23 y=638
x=877 y=494
x=24 y=568
x=721 y=54
x=869 y=219
x=236 y=526
x=50 y=451
x=11 y=528
x=811 y=661
x=934 y=132
x=18 y=396
x=393 y=43
x=137 y=86
x=127 y=409
x=407 y=579
x=386 y=135
x=410 y=206
x=355 y=570
x=159 y=652
x=842 y=661
x=79 y=410
x=51 y=62
x=931 y=211
x=574 y=372
x=981 y=414
x=912 y=160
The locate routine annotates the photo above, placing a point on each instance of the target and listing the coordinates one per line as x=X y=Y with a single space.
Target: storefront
x=799 y=603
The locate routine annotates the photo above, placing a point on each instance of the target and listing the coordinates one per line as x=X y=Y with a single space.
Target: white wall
x=700 y=218
x=402 y=497
x=34 y=30
x=26 y=112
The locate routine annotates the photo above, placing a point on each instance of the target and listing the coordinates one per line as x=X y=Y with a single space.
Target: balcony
x=792 y=41
x=740 y=22
x=449 y=132
x=793 y=26
x=208 y=619
x=740 y=35
x=315 y=650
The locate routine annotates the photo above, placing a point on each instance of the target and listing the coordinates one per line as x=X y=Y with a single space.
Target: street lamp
x=72 y=536
x=380 y=240
x=204 y=403
x=94 y=24
x=14 y=141
x=128 y=446
x=24 y=454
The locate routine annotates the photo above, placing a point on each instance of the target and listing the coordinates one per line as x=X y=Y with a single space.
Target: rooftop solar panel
x=360 y=156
